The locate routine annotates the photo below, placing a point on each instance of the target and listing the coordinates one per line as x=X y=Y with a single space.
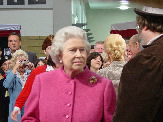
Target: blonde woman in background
x=114 y=46
x=16 y=78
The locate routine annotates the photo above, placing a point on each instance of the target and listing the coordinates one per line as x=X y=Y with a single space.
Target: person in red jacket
x=20 y=101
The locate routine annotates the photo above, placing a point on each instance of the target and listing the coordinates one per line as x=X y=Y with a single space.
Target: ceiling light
x=124 y=2
x=122 y=7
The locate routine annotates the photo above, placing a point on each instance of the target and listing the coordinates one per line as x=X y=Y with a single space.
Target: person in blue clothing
x=16 y=78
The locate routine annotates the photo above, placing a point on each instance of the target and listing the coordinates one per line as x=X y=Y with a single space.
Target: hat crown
x=152 y=10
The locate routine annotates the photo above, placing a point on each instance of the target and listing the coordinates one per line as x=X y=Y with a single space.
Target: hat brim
x=143 y=13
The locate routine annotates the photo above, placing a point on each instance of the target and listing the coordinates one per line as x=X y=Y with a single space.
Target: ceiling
x=111 y=4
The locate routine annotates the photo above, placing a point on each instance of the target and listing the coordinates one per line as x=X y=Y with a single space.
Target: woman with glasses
x=16 y=78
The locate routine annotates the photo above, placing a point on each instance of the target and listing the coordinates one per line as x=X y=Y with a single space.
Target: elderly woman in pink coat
x=71 y=93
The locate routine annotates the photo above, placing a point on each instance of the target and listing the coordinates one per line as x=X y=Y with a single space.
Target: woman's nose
x=78 y=53
x=98 y=60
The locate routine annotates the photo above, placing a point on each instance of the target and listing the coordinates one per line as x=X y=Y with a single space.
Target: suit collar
x=153 y=41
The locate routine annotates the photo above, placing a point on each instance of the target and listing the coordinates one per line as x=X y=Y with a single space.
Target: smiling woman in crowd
x=94 y=61
x=72 y=92
x=40 y=62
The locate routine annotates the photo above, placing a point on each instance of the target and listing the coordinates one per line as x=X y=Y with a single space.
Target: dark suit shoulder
x=32 y=53
x=32 y=56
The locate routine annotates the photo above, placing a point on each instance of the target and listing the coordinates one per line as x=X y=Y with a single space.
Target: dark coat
x=4 y=103
x=140 y=97
x=32 y=57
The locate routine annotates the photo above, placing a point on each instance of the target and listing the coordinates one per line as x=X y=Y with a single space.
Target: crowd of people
x=76 y=82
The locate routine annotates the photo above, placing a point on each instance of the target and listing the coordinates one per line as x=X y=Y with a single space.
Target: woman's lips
x=78 y=62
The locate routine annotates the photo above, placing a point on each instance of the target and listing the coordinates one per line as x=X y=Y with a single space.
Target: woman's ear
x=45 y=52
x=137 y=45
x=60 y=57
x=145 y=28
x=124 y=54
x=108 y=56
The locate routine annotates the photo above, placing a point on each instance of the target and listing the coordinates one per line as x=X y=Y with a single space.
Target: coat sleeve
x=10 y=79
x=20 y=101
x=109 y=102
x=31 y=113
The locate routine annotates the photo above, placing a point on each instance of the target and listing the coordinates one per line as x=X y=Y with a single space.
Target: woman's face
x=74 y=55
x=21 y=59
x=96 y=63
x=47 y=51
x=6 y=65
x=105 y=64
x=40 y=63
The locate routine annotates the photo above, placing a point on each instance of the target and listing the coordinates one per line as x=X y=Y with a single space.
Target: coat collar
x=80 y=75
x=83 y=77
x=157 y=40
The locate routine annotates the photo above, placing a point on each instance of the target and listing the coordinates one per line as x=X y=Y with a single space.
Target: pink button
x=69 y=93
x=68 y=104
x=72 y=81
x=67 y=116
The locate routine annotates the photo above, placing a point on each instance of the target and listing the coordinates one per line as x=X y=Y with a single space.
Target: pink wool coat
x=56 y=97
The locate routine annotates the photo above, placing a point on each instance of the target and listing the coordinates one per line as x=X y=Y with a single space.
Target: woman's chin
x=97 y=66
x=78 y=68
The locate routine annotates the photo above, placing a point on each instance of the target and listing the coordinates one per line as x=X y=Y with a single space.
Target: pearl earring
x=60 y=61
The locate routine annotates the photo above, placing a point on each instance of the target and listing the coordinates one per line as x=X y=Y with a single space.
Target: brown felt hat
x=47 y=42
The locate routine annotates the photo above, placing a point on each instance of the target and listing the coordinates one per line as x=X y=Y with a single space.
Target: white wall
x=62 y=14
x=33 y=22
x=38 y=20
x=99 y=21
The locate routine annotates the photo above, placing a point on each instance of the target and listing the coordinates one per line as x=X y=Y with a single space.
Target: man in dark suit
x=140 y=97
x=14 y=43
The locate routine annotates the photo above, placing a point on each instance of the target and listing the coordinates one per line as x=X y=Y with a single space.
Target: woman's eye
x=72 y=50
x=98 y=59
x=82 y=50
